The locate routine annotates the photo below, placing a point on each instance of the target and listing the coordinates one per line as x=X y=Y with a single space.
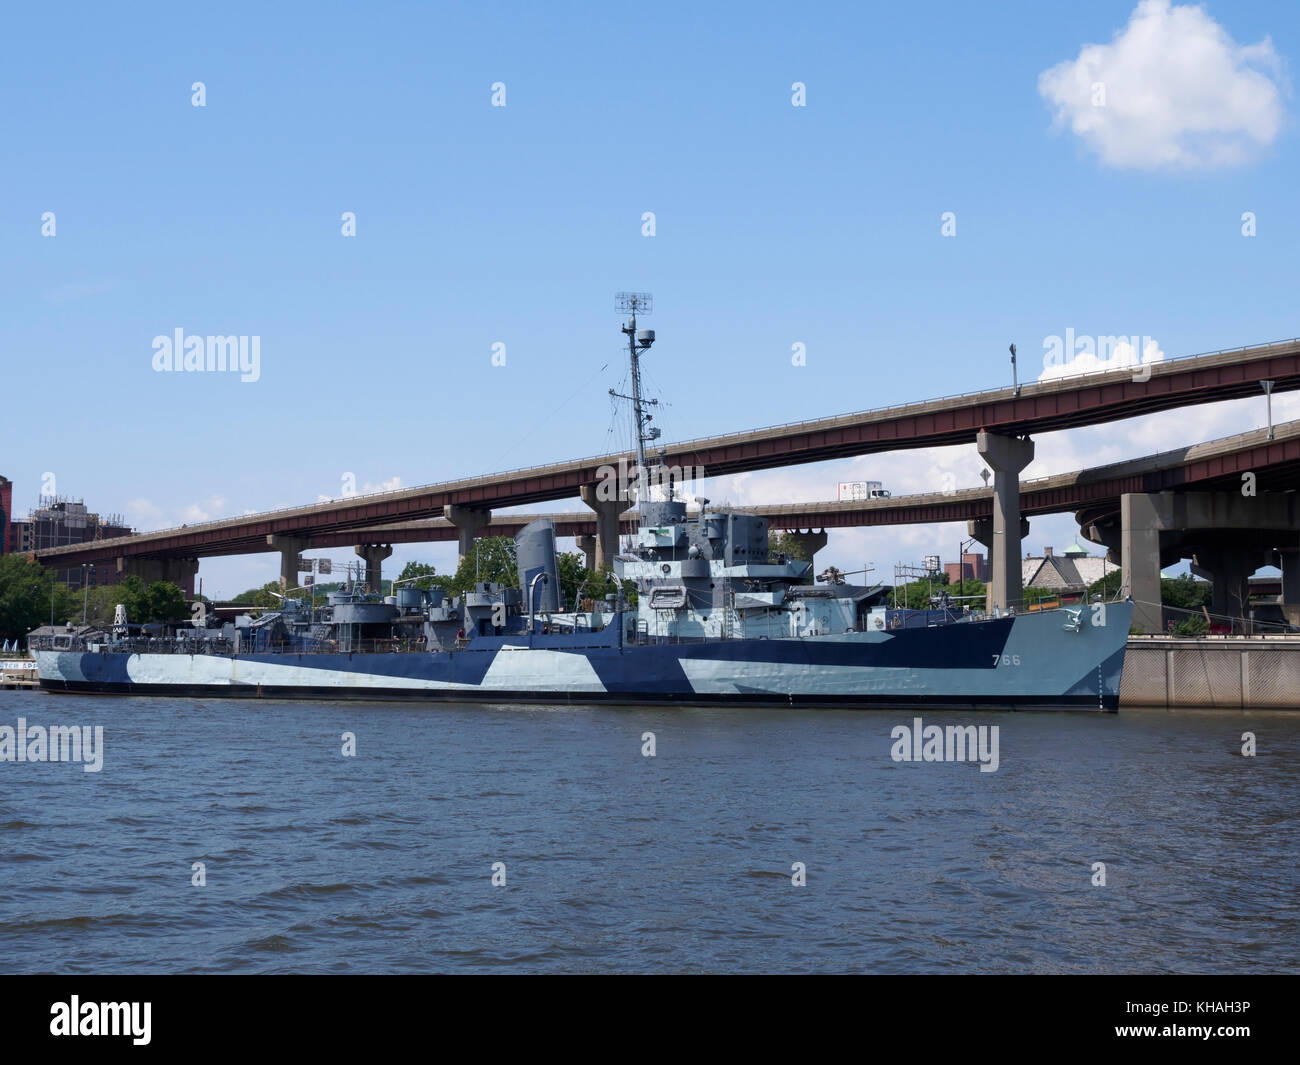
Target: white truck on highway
x=856 y=491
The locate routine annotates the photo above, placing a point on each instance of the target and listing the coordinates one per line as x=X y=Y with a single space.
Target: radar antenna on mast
x=638 y=342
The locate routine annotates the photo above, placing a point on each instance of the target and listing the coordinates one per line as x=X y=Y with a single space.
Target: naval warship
x=719 y=618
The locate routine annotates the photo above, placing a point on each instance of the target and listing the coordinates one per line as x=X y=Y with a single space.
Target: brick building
x=6 y=512
x=973 y=568
x=56 y=522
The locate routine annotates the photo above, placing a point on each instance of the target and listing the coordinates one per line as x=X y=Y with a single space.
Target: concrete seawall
x=1224 y=672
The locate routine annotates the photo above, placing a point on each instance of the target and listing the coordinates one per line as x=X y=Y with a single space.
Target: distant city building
x=1072 y=570
x=56 y=522
x=6 y=512
x=973 y=568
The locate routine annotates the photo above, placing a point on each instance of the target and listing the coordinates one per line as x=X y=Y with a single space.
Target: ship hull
x=1033 y=661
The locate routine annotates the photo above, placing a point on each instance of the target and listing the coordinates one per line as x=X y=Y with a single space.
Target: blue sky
x=477 y=225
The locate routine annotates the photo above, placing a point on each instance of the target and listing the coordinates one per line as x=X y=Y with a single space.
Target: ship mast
x=638 y=342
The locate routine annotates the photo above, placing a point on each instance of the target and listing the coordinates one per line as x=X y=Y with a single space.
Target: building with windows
x=56 y=522
x=6 y=512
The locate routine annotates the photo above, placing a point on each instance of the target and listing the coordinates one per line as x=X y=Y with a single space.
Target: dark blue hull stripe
x=654 y=666
x=614 y=698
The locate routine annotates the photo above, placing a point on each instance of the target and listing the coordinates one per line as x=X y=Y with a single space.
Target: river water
x=614 y=861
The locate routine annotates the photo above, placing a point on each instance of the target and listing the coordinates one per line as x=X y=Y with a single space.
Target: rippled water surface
x=619 y=862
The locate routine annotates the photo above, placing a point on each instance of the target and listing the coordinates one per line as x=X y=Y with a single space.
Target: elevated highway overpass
x=999 y=414
x=1095 y=495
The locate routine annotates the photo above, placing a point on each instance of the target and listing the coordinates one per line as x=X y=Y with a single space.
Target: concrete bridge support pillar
x=374 y=554
x=587 y=545
x=147 y=569
x=290 y=547
x=981 y=529
x=180 y=571
x=1107 y=535
x=1141 y=522
x=1289 y=561
x=1228 y=568
x=1228 y=534
x=1006 y=456
x=469 y=521
x=607 y=515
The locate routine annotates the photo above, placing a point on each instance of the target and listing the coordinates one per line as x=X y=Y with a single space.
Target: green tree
x=1108 y=586
x=100 y=603
x=969 y=587
x=265 y=596
x=27 y=593
x=784 y=543
x=131 y=594
x=1195 y=625
x=915 y=595
x=160 y=601
x=422 y=570
x=1185 y=592
x=163 y=601
x=495 y=558
x=578 y=583
x=574 y=577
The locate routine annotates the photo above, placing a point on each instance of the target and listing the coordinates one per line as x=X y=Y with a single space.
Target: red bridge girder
x=1041 y=407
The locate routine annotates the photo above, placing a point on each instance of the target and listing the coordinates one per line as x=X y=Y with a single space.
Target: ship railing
x=222 y=646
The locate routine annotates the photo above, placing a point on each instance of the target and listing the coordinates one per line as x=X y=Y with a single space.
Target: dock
x=1212 y=672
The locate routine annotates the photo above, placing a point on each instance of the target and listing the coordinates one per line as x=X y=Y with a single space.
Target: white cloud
x=1095 y=358
x=145 y=515
x=1172 y=89
x=203 y=510
x=391 y=485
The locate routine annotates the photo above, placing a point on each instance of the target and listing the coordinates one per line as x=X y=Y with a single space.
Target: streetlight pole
x=962 y=546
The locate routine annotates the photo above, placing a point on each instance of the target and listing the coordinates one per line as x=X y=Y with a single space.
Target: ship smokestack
x=534 y=554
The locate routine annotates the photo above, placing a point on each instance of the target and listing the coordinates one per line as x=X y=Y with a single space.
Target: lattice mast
x=638 y=342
